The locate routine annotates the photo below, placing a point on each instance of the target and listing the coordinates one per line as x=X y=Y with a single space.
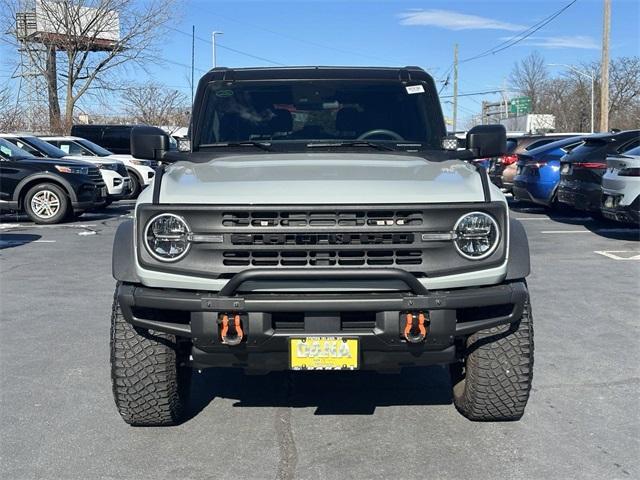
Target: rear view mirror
x=487 y=141
x=149 y=143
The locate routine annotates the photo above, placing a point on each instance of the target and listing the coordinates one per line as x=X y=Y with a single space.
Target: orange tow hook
x=415 y=332
x=236 y=335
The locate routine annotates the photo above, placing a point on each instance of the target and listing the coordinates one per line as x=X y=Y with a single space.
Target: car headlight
x=145 y=163
x=476 y=235
x=165 y=237
x=76 y=170
x=107 y=166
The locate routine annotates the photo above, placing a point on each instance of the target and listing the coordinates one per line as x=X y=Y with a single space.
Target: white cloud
x=575 y=41
x=454 y=20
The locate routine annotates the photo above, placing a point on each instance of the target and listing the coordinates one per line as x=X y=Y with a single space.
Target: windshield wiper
x=354 y=143
x=262 y=146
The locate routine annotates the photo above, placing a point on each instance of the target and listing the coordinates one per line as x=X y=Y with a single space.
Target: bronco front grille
x=229 y=239
x=343 y=218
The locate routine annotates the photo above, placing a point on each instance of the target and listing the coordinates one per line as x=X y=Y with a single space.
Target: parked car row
x=55 y=178
x=595 y=173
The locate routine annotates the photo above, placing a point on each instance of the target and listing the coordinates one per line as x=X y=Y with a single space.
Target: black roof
x=317 y=72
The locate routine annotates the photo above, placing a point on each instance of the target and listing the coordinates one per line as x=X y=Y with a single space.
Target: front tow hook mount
x=415 y=328
x=231 y=330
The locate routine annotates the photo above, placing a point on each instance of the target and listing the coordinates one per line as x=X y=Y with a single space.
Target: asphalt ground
x=58 y=419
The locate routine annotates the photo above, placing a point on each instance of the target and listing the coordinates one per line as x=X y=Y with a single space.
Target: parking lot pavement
x=58 y=420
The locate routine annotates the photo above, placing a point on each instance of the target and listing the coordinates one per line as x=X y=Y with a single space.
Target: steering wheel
x=381 y=131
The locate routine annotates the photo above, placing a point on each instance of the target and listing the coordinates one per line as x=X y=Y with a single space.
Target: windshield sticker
x=224 y=93
x=411 y=89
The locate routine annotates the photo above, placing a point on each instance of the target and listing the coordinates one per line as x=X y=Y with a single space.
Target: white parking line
x=22 y=225
x=612 y=254
x=597 y=230
x=565 y=231
x=4 y=243
x=557 y=219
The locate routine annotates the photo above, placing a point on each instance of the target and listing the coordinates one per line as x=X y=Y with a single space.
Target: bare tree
x=529 y=76
x=624 y=94
x=75 y=54
x=154 y=104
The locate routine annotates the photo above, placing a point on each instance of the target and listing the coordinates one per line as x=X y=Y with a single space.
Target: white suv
x=140 y=171
x=113 y=171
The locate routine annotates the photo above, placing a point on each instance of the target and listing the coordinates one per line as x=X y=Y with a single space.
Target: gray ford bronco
x=322 y=219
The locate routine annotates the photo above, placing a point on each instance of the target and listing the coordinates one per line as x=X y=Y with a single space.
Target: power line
x=224 y=47
x=521 y=36
x=302 y=40
x=471 y=94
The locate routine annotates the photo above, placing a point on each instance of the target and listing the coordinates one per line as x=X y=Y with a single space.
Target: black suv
x=115 y=138
x=581 y=170
x=48 y=190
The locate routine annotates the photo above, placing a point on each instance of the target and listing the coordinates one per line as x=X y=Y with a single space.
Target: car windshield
x=565 y=143
x=633 y=151
x=44 y=148
x=9 y=151
x=97 y=149
x=346 y=112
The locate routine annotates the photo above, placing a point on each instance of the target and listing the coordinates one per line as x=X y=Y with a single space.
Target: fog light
x=477 y=235
x=166 y=237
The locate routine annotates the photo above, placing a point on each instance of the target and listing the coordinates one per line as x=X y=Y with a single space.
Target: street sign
x=520 y=105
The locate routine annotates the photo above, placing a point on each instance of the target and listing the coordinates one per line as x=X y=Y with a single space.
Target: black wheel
x=136 y=186
x=150 y=382
x=47 y=203
x=493 y=383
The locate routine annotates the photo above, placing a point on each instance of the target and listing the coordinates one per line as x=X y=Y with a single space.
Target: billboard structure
x=44 y=27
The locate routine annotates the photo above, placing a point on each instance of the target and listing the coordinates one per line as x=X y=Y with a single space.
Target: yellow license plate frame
x=318 y=352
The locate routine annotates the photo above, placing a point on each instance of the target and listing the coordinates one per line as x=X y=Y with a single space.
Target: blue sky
x=389 y=32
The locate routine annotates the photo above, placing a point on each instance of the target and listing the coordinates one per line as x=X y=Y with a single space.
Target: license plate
x=565 y=168
x=323 y=353
x=103 y=191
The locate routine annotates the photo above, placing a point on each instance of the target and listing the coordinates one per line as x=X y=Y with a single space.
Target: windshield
x=321 y=111
x=97 y=149
x=9 y=151
x=45 y=149
x=633 y=151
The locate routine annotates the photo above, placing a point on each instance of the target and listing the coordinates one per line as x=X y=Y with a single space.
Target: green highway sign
x=520 y=105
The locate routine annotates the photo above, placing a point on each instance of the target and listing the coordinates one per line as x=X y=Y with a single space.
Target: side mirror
x=149 y=143
x=487 y=141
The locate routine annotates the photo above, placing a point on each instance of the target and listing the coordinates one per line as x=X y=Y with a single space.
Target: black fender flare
x=519 y=263
x=123 y=257
x=44 y=176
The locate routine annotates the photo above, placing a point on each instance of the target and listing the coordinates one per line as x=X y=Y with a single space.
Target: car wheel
x=136 y=186
x=149 y=378
x=46 y=204
x=494 y=381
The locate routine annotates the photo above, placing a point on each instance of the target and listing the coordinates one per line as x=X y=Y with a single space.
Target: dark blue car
x=538 y=171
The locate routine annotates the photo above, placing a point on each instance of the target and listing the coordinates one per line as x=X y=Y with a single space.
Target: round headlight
x=166 y=237
x=477 y=235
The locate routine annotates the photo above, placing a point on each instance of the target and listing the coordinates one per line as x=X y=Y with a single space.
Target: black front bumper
x=270 y=319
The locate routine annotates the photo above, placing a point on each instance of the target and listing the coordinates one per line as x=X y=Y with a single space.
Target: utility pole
x=455 y=88
x=213 y=47
x=604 y=69
x=193 y=58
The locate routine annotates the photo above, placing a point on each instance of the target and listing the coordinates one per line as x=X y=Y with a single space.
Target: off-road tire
x=61 y=196
x=150 y=382
x=494 y=382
